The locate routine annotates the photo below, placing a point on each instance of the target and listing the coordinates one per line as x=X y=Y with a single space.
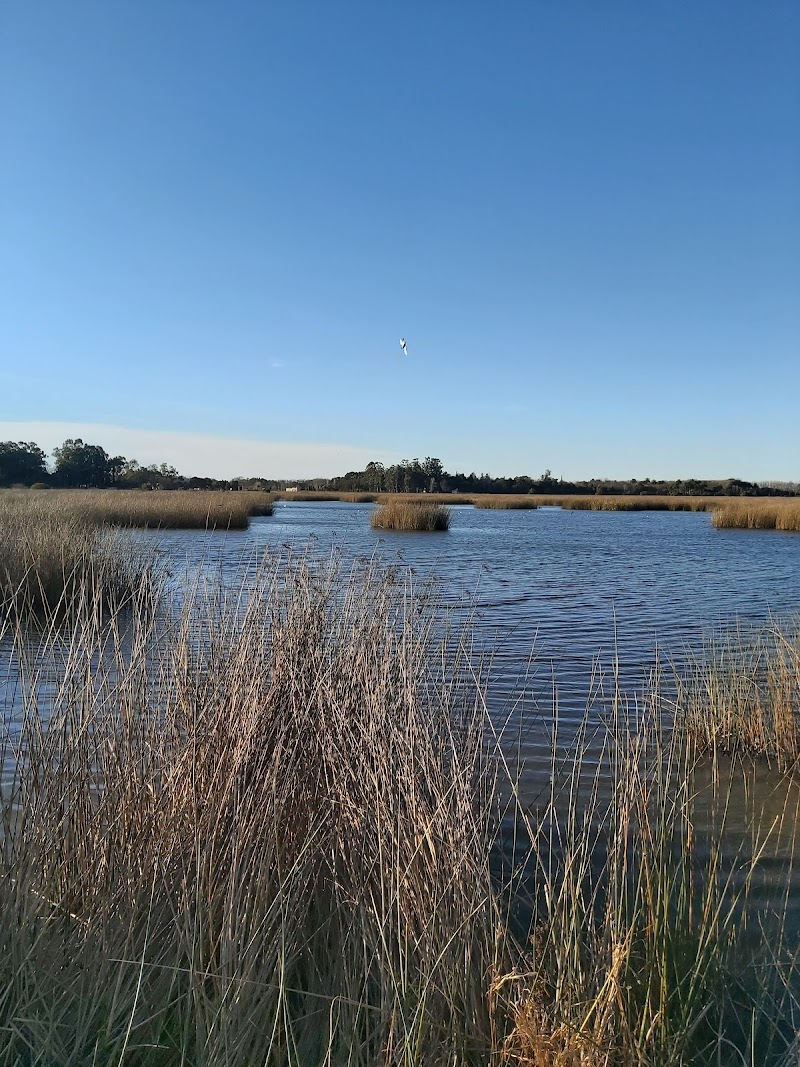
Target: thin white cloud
x=203 y=454
x=277 y=363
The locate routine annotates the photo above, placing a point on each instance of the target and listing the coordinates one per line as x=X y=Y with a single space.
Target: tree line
x=77 y=464
x=429 y=476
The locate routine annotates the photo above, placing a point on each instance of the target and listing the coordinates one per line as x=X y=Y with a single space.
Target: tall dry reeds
x=743 y=694
x=407 y=515
x=258 y=835
x=642 y=949
x=629 y=503
x=156 y=509
x=275 y=824
x=507 y=503
x=52 y=563
x=746 y=514
x=448 y=499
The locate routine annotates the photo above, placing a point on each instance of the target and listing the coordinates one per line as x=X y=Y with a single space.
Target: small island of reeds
x=408 y=515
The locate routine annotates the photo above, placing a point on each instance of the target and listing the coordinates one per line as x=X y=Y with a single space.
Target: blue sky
x=217 y=220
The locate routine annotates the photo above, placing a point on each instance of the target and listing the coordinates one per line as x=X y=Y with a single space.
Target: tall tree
x=23 y=462
x=79 y=464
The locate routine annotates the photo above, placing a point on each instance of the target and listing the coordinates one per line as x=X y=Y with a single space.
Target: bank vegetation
x=273 y=822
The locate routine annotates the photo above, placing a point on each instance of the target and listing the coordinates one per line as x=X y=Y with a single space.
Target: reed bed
x=277 y=826
x=629 y=503
x=448 y=499
x=743 y=695
x=747 y=514
x=507 y=503
x=52 y=564
x=156 y=509
x=258 y=835
x=407 y=515
x=309 y=494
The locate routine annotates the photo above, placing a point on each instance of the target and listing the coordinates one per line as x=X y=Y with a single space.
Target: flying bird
x=403 y=346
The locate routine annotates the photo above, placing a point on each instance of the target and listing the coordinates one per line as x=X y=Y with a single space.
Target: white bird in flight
x=403 y=346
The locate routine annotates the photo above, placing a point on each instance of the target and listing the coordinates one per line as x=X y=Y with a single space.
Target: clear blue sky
x=218 y=219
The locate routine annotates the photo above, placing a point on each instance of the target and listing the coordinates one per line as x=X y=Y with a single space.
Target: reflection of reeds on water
x=270 y=833
x=410 y=515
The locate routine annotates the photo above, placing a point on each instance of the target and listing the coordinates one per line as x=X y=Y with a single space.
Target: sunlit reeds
x=260 y=835
x=510 y=502
x=599 y=502
x=640 y=952
x=275 y=823
x=743 y=694
x=161 y=509
x=748 y=514
x=448 y=499
x=410 y=515
x=52 y=563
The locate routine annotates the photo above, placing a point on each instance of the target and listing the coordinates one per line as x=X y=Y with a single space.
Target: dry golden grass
x=161 y=509
x=309 y=494
x=512 y=502
x=267 y=832
x=744 y=695
x=52 y=563
x=775 y=513
x=407 y=515
x=455 y=499
x=629 y=503
x=258 y=835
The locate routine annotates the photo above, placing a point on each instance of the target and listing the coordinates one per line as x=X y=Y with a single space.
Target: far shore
x=221 y=509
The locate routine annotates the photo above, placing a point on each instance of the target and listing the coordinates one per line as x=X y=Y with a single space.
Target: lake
x=574 y=587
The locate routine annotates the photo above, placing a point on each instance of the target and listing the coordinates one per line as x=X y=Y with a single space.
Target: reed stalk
x=53 y=564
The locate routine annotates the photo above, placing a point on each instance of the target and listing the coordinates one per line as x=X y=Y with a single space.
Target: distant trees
x=429 y=476
x=79 y=464
x=22 y=463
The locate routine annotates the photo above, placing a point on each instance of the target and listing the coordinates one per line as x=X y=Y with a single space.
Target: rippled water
x=579 y=590
x=573 y=586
